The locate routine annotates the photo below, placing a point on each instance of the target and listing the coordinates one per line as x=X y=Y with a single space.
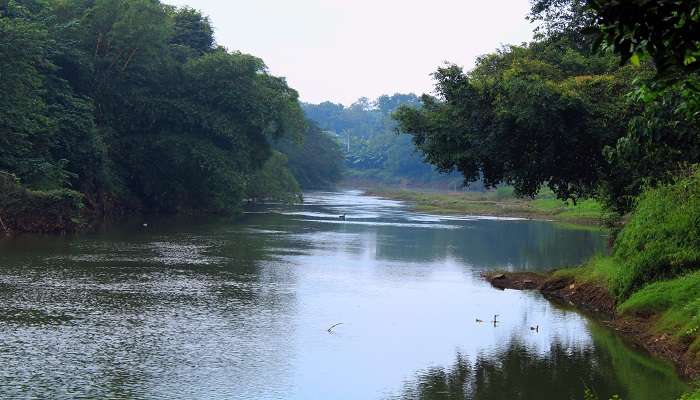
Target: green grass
x=662 y=237
x=654 y=269
x=600 y=270
x=586 y=209
x=500 y=202
x=673 y=303
x=660 y=241
x=676 y=301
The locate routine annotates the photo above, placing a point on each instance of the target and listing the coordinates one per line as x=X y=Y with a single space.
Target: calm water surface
x=221 y=309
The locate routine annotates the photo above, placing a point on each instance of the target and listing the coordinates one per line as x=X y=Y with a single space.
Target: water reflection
x=215 y=308
x=483 y=242
x=516 y=371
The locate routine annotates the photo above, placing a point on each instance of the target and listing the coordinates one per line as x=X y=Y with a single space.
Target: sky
x=341 y=50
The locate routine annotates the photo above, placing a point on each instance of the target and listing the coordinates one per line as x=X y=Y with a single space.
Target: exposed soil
x=594 y=299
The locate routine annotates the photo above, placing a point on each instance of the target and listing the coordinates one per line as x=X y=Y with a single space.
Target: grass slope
x=654 y=270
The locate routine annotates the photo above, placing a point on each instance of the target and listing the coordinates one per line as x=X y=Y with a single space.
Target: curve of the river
x=222 y=309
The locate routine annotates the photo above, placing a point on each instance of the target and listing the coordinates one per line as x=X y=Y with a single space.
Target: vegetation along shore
x=618 y=125
x=647 y=288
x=500 y=202
x=113 y=108
x=131 y=107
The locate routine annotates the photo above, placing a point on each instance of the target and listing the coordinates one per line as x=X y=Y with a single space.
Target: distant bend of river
x=239 y=309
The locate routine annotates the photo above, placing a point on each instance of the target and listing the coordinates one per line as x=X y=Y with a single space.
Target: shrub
x=662 y=237
x=24 y=210
x=274 y=182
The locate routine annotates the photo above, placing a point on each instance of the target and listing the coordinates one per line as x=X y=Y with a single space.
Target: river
x=240 y=309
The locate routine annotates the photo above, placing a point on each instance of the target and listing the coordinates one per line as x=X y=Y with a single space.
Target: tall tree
x=527 y=116
x=131 y=103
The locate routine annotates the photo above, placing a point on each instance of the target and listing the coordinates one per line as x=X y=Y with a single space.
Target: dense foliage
x=274 y=182
x=661 y=241
x=132 y=104
x=60 y=209
x=553 y=113
x=665 y=30
x=527 y=116
x=654 y=269
x=316 y=162
x=373 y=151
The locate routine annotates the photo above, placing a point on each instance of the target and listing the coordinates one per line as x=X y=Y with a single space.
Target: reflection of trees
x=645 y=377
x=517 y=372
x=438 y=383
x=482 y=243
x=516 y=244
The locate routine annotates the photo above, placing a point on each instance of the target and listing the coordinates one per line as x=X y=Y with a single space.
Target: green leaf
x=635 y=59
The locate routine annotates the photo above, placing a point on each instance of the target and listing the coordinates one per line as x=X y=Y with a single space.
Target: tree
x=376 y=153
x=662 y=38
x=527 y=116
x=316 y=162
x=24 y=119
x=274 y=182
x=130 y=103
x=667 y=30
x=191 y=30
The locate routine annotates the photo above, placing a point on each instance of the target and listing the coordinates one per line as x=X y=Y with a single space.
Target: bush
x=691 y=396
x=274 y=182
x=24 y=210
x=662 y=237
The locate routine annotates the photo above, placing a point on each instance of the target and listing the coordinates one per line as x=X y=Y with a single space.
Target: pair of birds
x=495 y=320
x=535 y=328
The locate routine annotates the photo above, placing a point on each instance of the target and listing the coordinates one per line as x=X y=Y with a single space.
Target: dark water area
x=239 y=309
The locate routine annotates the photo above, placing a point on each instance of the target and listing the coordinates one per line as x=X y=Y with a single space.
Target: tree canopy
x=554 y=113
x=372 y=149
x=665 y=30
x=132 y=104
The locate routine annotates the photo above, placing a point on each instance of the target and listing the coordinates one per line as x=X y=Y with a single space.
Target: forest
x=112 y=108
x=375 y=154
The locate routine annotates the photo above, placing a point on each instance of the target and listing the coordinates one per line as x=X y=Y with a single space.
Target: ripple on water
x=241 y=310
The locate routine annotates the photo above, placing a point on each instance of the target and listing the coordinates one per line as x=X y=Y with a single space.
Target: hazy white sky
x=341 y=50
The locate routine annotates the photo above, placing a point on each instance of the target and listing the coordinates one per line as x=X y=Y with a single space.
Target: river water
x=239 y=309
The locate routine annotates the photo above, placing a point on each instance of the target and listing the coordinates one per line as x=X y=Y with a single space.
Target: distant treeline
x=116 y=106
x=374 y=152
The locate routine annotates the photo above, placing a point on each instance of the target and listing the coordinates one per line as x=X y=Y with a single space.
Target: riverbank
x=648 y=288
x=496 y=203
x=647 y=324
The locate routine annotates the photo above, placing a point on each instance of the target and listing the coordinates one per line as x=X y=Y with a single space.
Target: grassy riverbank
x=649 y=287
x=660 y=318
x=663 y=315
x=500 y=203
